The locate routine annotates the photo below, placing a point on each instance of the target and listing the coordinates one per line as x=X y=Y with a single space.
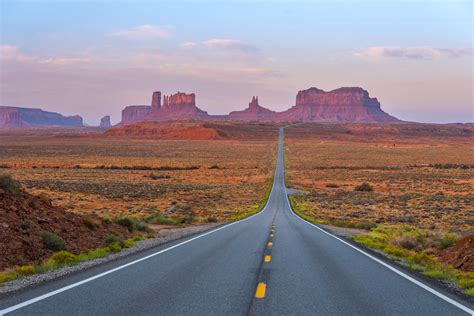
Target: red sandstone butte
x=105 y=122
x=312 y=105
x=253 y=113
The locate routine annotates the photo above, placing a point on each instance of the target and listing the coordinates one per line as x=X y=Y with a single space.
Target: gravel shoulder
x=166 y=235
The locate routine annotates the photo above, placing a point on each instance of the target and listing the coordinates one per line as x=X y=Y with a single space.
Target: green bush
x=64 y=258
x=365 y=225
x=115 y=247
x=129 y=243
x=132 y=224
x=52 y=241
x=446 y=240
x=89 y=223
x=5 y=277
x=364 y=187
x=127 y=222
x=25 y=224
x=111 y=239
x=211 y=219
x=94 y=254
x=9 y=185
x=160 y=219
x=137 y=238
x=141 y=227
x=25 y=270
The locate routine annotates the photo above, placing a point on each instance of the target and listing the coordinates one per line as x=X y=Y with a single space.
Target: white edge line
x=409 y=278
x=60 y=290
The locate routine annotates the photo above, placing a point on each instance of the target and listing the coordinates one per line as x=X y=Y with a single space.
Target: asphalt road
x=271 y=263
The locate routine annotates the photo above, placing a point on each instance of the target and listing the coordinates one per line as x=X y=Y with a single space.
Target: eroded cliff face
x=179 y=99
x=254 y=112
x=340 y=105
x=16 y=117
x=135 y=113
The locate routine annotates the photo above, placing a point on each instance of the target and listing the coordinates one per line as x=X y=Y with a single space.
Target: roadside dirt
x=24 y=217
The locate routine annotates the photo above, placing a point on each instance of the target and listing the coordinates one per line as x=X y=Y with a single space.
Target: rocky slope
x=23 y=217
x=16 y=117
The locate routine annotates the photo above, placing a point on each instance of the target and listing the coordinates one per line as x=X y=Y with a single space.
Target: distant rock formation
x=253 y=113
x=340 y=105
x=16 y=117
x=105 y=122
x=135 y=113
x=156 y=100
x=179 y=106
x=312 y=105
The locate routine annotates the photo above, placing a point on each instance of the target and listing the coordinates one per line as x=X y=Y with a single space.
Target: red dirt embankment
x=23 y=217
x=199 y=130
x=461 y=254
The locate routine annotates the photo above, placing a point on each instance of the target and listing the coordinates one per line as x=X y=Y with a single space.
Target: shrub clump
x=64 y=258
x=129 y=243
x=52 y=241
x=89 y=223
x=364 y=187
x=111 y=239
x=9 y=185
x=211 y=219
x=115 y=247
x=25 y=270
x=131 y=224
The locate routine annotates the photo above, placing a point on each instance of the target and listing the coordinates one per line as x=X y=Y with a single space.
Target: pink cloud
x=230 y=44
x=143 y=32
x=414 y=52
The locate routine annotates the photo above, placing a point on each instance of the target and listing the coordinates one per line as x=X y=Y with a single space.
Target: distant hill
x=17 y=117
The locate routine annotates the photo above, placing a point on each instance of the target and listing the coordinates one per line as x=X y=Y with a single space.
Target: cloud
x=144 y=32
x=230 y=44
x=188 y=45
x=415 y=52
x=12 y=53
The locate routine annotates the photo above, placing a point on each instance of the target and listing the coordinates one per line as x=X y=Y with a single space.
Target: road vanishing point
x=272 y=263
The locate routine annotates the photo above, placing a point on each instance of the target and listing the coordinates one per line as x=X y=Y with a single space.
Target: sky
x=93 y=58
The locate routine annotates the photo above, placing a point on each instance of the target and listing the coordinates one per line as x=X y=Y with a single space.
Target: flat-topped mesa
x=179 y=99
x=17 y=117
x=156 y=100
x=351 y=104
x=345 y=96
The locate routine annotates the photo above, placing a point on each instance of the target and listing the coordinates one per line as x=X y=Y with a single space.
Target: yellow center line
x=261 y=289
x=268 y=258
x=270 y=244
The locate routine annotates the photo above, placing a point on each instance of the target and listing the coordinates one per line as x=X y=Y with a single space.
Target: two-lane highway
x=271 y=263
